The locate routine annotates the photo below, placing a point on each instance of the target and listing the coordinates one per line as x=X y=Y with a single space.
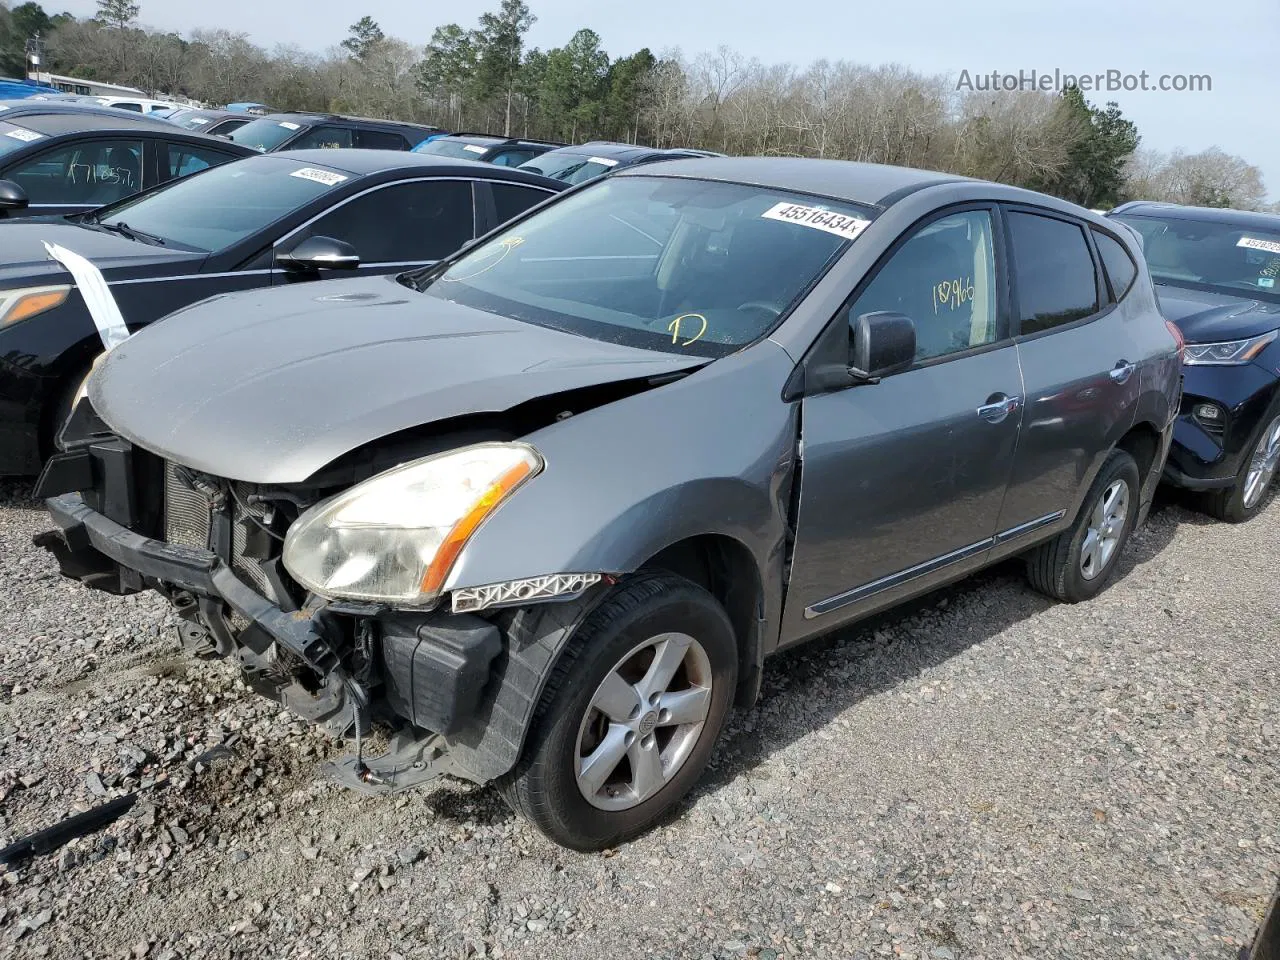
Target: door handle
x=998 y=406
x=1122 y=371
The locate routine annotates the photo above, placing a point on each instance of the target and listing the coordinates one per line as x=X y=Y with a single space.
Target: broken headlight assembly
x=395 y=537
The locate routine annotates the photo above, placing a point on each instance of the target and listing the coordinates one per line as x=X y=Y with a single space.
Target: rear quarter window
x=1119 y=266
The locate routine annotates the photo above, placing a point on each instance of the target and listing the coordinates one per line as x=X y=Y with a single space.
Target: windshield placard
x=26 y=136
x=818 y=218
x=603 y=161
x=327 y=177
x=1255 y=243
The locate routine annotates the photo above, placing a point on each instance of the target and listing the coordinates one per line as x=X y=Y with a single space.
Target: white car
x=136 y=104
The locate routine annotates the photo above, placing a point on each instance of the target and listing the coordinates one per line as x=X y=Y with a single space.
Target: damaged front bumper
x=338 y=666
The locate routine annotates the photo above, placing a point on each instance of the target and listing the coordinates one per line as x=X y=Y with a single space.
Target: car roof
x=360 y=163
x=867 y=183
x=498 y=140
x=1235 y=218
x=313 y=118
x=57 y=124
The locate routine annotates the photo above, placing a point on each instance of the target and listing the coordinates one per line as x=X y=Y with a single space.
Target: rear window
x=265 y=134
x=569 y=167
x=14 y=137
x=455 y=149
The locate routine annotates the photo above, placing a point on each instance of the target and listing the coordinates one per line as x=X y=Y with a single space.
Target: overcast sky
x=1235 y=43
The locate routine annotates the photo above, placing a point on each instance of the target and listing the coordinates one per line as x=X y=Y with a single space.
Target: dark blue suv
x=1217 y=274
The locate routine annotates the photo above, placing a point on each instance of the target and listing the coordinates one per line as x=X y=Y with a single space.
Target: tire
x=1057 y=568
x=617 y=643
x=1241 y=501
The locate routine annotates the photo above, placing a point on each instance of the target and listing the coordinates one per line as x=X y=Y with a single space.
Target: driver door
x=902 y=481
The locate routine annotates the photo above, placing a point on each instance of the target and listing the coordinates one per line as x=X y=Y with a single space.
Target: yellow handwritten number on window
x=674 y=327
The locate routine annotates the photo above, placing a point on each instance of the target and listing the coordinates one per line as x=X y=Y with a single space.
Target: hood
x=269 y=386
x=24 y=260
x=1205 y=317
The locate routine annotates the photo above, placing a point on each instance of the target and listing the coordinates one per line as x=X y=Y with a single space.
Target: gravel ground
x=987 y=775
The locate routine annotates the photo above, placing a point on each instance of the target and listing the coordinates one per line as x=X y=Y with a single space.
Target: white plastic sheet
x=97 y=295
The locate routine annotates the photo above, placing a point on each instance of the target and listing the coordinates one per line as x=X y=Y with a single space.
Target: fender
x=622 y=484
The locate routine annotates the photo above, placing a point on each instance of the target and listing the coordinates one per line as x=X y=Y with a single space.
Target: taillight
x=1178 y=338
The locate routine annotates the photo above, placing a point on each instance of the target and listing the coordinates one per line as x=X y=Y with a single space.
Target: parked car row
x=537 y=477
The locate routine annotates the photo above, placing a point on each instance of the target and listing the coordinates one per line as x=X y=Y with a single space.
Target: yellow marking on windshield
x=674 y=327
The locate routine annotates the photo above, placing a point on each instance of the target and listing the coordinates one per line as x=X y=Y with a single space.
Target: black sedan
x=306 y=131
x=487 y=148
x=63 y=163
x=1218 y=276
x=264 y=221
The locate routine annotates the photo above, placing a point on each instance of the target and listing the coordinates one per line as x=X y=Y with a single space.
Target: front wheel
x=1077 y=563
x=1245 y=499
x=630 y=715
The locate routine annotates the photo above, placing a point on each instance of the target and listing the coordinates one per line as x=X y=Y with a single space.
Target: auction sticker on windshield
x=603 y=161
x=1253 y=243
x=26 y=136
x=474 y=148
x=818 y=218
x=327 y=177
x=289 y=126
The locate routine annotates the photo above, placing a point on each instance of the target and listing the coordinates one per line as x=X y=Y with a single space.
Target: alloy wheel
x=1106 y=526
x=1262 y=465
x=643 y=721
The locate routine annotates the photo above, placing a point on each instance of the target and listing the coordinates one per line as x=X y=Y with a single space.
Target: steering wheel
x=771 y=308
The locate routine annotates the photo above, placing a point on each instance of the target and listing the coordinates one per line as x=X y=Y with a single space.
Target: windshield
x=675 y=265
x=216 y=208
x=191 y=120
x=265 y=133
x=569 y=167
x=14 y=137
x=1204 y=255
x=457 y=149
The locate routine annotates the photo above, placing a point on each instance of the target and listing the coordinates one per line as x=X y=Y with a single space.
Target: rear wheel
x=1077 y=563
x=1245 y=499
x=629 y=716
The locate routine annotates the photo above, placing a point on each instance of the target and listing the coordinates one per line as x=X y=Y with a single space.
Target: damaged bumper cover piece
x=431 y=667
x=514 y=593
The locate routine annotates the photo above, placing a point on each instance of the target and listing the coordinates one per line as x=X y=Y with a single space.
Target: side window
x=185 y=159
x=426 y=220
x=379 y=140
x=331 y=138
x=1054 y=271
x=944 y=279
x=1116 y=261
x=88 y=172
x=513 y=158
x=511 y=200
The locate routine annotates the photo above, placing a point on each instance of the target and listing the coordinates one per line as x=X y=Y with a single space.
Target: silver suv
x=544 y=509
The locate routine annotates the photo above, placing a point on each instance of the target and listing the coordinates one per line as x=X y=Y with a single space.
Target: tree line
x=485 y=77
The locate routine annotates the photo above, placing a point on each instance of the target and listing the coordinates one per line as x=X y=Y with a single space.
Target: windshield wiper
x=130 y=233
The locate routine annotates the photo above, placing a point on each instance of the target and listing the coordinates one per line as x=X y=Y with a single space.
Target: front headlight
x=27 y=302
x=394 y=538
x=1227 y=353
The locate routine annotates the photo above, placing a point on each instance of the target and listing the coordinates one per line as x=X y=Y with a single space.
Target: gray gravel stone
x=988 y=776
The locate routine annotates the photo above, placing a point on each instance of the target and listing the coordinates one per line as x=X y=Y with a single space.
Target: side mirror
x=320 y=253
x=12 y=196
x=880 y=344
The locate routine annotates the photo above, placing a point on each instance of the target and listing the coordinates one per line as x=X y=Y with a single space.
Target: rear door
x=498 y=202
x=394 y=227
x=1078 y=364
x=902 y=481
x=178 y=160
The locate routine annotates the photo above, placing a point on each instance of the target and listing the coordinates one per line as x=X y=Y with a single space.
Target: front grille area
x=187 y=513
